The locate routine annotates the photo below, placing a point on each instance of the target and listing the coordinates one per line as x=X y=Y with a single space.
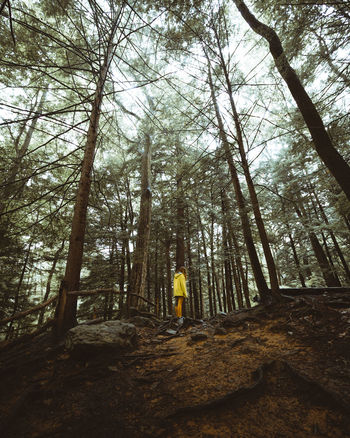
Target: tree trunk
x=164 y=301
x=193 y=290
x=201 y=304
x=156 y=281
x=213 y=269
x=236 y=260
x=296 y=260
x=139 y=268
x=330 y=258
x=335 y=242
x=16 y=301
x=211 y=307
x=49 y=279
x=326 y=269
x=168 y=277
x=180 y=222
x=323 y=144
x=227 y=269
x=67 y=304
x=253 y=196
x=225 y=299
x=263 y=289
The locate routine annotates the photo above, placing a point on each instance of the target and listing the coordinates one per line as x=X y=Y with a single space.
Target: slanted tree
x=66 y=308
x=255 y=263
x=322 y=142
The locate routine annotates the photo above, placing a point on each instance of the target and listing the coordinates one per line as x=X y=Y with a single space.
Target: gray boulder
x=109 y=336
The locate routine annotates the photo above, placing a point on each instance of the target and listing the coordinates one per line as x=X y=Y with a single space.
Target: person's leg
x=179 y=307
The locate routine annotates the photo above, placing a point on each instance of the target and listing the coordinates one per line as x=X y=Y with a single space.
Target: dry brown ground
x=280 y=372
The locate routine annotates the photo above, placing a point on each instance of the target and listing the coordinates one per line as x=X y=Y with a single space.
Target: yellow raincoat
x=180 y=285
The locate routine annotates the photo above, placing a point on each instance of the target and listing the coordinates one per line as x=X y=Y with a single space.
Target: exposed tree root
x=240 y=393
x=255 y=390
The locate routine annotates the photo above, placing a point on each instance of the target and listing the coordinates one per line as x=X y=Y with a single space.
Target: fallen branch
x=26 y=337
x=86 y=293
x=29 y=311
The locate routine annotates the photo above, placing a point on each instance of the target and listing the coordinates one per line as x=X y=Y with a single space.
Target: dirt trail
x=278 y=372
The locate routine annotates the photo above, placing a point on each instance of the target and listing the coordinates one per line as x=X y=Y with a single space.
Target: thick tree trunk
x=323 y=144
x=139 y=268
x=67 y=304
x=263 y=289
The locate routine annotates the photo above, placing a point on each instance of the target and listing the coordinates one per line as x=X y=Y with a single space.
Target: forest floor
x=278 y=371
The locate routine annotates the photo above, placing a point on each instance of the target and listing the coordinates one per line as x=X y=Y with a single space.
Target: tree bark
x=210 y=293
x=227 y=269
x=168 y=277
x=236 y=259
x=213 y=268
x=323 y=144
x=201 y=303
x=180 y=221
x=139 y=267
x=245 y=165
x=67 y=304
x=193 y=290
x=263 y=289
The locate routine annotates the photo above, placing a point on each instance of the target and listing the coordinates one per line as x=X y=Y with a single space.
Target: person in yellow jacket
x=180 y=292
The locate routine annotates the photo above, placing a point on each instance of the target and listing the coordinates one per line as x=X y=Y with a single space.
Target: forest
x=139 y=137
